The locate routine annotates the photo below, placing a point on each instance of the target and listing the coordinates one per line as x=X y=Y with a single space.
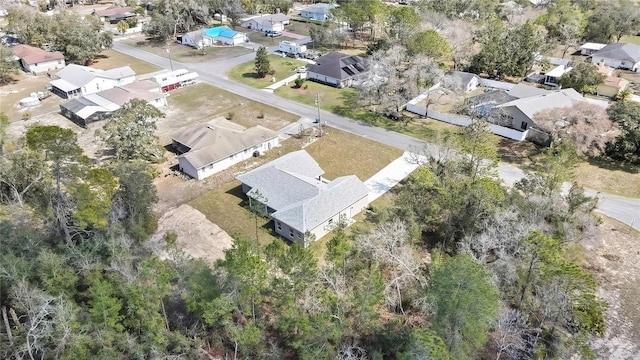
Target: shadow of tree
x=613 y=165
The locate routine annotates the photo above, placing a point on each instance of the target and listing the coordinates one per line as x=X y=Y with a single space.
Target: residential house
x=266 y=23
x=212 y=147
x=174 y=79
x=303 y=205
x=589 y=48
x=319 y=11
x=612 y=86
x=114 y=14
x=35 y=60
x=77 y=80
x=337 y=69
x=207 y=37
x=460 y=81
x=552 y=77
x=520 y=112
x=96 y=107
x=618 y=56
x=226 y=36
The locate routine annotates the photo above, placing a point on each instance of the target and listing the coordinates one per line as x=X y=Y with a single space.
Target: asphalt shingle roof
x=33 y=55
x=291 y=186
x=79 y=76
x=219 y=139
x=339 y=66
x=620 y=51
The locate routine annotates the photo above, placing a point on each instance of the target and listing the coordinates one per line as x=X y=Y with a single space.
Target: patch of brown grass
x=110 y=59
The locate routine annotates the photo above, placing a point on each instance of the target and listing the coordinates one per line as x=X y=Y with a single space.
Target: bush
x=230 y=116
x=298 y=83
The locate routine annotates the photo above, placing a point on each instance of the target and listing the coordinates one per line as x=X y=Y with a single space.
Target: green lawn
x=338 y=153
x=331 y=98
x=109 y=59
x=283 y=66
x=630 y=39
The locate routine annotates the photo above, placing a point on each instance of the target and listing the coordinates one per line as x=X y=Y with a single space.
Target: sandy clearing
x=197 y=236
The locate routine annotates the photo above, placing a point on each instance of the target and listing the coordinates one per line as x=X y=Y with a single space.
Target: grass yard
x=283 y=66
x=227 y=206
x=110 y=59
x=630 y=39
x=188 y=54
x=258 y=37
x=188 y=104
x=609 y=177
x=331 y=98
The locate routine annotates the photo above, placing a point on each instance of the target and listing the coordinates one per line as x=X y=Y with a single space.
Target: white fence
x=461 y=120
x=496 y=84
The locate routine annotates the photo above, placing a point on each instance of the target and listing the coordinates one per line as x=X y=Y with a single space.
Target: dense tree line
x=79 y=46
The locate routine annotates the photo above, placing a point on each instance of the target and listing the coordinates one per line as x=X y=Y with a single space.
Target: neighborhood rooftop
x=339 y=66
x=34 y=55
x=76 y=76
x=620 y=51
x=292 y=186
x=218 y=139
x=551 y=100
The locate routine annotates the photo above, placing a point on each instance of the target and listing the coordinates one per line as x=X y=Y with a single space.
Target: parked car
x=293 y=55
x=273 y=33
x=311 y=56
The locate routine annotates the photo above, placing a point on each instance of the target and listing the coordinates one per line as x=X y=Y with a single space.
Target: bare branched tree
x=389 y=244
x=510 y=335
x=459 y=35
x=585 y=125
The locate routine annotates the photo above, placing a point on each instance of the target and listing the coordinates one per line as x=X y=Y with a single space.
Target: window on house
x=299 y=235
x=330 y=221
x=524 y=125
x=291 y=233
x=279 y=225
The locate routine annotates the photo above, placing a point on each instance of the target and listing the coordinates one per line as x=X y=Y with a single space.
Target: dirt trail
x=614 y=256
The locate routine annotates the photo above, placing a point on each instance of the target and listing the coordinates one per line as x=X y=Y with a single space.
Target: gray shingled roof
x=291 y=187
x=620 y=51
x=553 y=100
x=339 y=66
x=219 y=139
x=330 y=200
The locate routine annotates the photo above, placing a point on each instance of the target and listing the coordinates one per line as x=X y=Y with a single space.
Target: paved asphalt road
x=626 y=210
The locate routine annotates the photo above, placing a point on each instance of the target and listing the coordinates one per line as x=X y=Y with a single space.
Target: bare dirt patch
x=197 y=236
x=22 y=87
x=614 y=257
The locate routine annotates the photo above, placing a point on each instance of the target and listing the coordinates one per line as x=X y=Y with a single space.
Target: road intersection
x=626 y=210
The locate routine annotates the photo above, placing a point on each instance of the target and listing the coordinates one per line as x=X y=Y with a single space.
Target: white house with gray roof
x=618 y=56
x=77 y=80
x=215 y=146
x=338 y=69
x=303 y=205
x=319 y=11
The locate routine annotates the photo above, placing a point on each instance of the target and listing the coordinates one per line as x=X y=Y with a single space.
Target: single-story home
x=77 y=80
x=174 y=79
x=612 y=86
x=35 y=60
x=337 y=69
x=319 y=11
x=303 y=205
x=552 y=77
x=225 y=35
x=618 y=56
x=266 y=22
x=215 y=146
x=114 y=13
x=589 y=48
x=460 y=81
x=96 y=107
x=520 y=112
x=207 y=37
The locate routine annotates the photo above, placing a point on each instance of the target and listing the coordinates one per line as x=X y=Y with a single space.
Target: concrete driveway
x=390 y=175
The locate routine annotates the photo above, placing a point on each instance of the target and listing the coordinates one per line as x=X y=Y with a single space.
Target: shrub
x=298 y=83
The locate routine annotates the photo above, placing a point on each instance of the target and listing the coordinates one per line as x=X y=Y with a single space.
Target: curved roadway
x=626 y=210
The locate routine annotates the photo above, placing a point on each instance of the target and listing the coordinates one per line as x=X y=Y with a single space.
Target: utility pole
x=318 y=107
x=170 y=61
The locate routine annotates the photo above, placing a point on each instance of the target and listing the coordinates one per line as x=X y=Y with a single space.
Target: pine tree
x=262 y=62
